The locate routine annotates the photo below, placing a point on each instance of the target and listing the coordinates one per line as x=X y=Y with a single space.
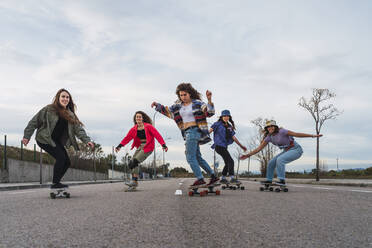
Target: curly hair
x=63 y=112
x=187 y=87
x=145 y=117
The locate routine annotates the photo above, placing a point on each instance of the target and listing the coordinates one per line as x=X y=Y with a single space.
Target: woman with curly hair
x=190 y=115
x=282 y=138
x=57 y=125
x=142 y=134
x=223 y=136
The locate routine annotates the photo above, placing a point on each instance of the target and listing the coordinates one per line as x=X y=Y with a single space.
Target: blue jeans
x=280 y=160
x=193 y=155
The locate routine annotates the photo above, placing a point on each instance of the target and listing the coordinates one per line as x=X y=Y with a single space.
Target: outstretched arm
x=258 y=149
x=303 y=135
x=162 y=109
x=208 y=109
x=239 y=144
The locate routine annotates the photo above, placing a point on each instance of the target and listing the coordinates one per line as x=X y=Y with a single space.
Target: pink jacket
x=150 y=132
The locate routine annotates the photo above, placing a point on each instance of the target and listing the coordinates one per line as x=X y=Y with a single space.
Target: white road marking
x=325 y=188
x=20 y=192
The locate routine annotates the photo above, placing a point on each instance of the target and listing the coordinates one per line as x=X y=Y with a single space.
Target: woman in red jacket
x=142 y=134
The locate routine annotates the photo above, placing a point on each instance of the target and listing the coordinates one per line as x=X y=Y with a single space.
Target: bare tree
x=264 y=156
x=320 y=113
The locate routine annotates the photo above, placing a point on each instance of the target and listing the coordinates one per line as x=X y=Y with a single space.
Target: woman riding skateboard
x=223 y=136
x=190 y=115
x=57 y=125
x=284 y=140
x=142 y=134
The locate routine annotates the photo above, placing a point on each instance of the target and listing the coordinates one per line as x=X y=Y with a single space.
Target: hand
x=25 y=141
x=165 y=148
x=117 y=149
x=91 y=145
x=209 y=95
x=244 y=157
x=317 y=135
x=244 y=148
x=153 y=104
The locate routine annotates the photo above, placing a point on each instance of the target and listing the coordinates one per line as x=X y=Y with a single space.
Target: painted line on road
x=326 y=188
x=21 y=192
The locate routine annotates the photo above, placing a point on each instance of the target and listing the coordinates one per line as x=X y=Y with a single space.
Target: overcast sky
x=257 y=57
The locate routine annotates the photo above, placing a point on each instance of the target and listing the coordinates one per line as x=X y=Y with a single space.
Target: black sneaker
x=198 y=183
x=213 y=180
x=58 y=186
x=224 y=181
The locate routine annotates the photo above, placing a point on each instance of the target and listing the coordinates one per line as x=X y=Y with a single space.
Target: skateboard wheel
x=271 y=188
x=52 y=195
x=262 y=188
x=67 y=195
x=242 y=188
x=203 y=193
x=218 y=192
x=277 y=190
x=285 y=190
x=191 y=193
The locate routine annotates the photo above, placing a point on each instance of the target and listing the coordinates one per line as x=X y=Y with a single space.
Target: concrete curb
x=47 y=185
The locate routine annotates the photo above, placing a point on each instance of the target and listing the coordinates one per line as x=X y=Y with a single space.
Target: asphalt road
x=105 y=216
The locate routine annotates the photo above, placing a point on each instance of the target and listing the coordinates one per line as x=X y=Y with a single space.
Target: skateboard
x=273 y=186
x=130 y=188
x=204 y=190
x=233 y=186
x=62 y=192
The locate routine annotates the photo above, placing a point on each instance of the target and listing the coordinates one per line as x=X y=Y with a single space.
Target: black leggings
x=62 y=160
x=229 y=162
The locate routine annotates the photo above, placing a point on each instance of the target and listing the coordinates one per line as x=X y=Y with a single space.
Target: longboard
x=130 y=187
x=233 y=186
x=62 y=192
x=273 y=186
x=208 y=189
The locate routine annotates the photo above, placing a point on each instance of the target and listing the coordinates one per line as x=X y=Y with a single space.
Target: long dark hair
x=145 y=117
x=266 y=132
x=187 y=87
x=63 y=112
x=230 y=120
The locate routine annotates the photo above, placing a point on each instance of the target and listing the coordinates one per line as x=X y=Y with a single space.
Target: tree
x=320 y=112
x=264 y=156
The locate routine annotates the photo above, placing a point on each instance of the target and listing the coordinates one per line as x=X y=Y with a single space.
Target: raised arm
x=303 y=135
x=258 y=149
x=208 y=108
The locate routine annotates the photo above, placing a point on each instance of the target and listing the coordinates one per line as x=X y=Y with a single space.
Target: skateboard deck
x=233 y=186
x=62 y=192
x=273 y=187
x=204 y=190
x=131 y=189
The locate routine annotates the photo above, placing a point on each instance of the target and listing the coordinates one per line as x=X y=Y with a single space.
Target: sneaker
x=58 y=186
x=266 y=182
x=281 y=182
x=235 y=181
x=132 y=184
x=213 y=180
x=198 y=182
x=224 y=181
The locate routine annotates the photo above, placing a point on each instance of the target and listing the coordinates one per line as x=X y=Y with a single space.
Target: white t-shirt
x=187 y=114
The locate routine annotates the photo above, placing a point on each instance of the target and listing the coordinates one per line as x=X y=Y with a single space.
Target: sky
x=258 y=58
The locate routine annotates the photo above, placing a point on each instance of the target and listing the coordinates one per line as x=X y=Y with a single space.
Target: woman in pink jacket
x=142 y=134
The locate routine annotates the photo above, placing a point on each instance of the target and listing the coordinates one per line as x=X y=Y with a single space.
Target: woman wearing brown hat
x=282 y=138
